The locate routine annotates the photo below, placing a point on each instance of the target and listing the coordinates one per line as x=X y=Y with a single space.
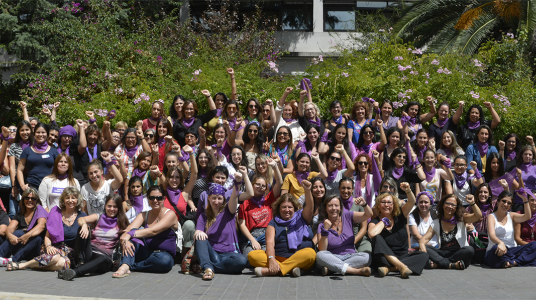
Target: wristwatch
x=271 y=257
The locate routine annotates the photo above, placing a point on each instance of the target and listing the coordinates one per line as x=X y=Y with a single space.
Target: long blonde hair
x=454 y=147
x=211 y=215
x=269 y=171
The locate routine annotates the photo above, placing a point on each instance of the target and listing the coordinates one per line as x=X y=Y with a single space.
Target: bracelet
x=473 y=204
x=48 y=245
x=418 y=166
x=271 y=256
x=525 y=202
x=364 y=205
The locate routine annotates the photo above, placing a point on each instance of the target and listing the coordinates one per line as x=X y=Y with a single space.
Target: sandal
x=117 y=274
x=324 y=271
x=208 y=274
x=383 y=271
x=506 y=265
x=12 y=266
x=433 y=265
x=366 y=271
x=405 y=272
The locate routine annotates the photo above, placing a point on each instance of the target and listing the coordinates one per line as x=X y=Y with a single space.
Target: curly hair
x=71 y=191
x=460 y=210
x=369 y=161
x=357 y=105
x=396 y=204
x=286 y=197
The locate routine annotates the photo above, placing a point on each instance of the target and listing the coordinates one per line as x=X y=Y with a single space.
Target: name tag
x=45 y=156
x=57 y=190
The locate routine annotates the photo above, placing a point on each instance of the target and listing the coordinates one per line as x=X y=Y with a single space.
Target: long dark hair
x=122 y=220
x=490 y=134
x=395 y=152
x=459 y=208
x=259 y=110
x=133 y=180
x=415 y=144
x=172 y=113
x=361 y=139
x=171 y=153
x=17 y=136
x=124 y=138
x=260 y=136
x=468 y=114
x=392 y=130
x=488 y=173
x=502 y=195
x=482 y=185
x=518 y=142
x=243 y=161
x=216 y=170
x=345 y=141
x=307 y=143
x=417 y=117
x=210 y=162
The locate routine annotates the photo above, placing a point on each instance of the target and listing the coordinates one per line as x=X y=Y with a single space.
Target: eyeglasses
x=13 y=130
x=388 y=187
x=506 y=202
x=362 y=163
x=31 y=198
x=266 y=110
x=189 y=137
x=157 y=198
x=386 y=202
x=261 y=186
x=252 y=106
x=116 y=138
x=252 y=131
x=335 y=158
x=401 y=156
x=451 y=204
x=149 y=136
x=309 y=109
x=368 y=132
x=283 y=133
x=459 y=165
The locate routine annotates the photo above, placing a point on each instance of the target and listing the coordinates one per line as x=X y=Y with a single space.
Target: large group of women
x=273 y=187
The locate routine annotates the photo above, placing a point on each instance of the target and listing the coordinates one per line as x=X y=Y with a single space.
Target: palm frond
x=470 y=39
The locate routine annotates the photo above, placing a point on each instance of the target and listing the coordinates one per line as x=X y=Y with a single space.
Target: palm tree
x=462 y=25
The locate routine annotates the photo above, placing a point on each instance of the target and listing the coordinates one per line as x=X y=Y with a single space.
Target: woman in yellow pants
x=289 y=240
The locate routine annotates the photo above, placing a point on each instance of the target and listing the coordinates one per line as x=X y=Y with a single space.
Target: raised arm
x=362 y=216
x=107 y=136
x=428 y=116
x=495 y=119
x=308 y=210
x=383 y=137
x=321 y=168
x=458 y=115
x=24 y=111
x=145 y=146
x=112 y=169
x=249 y=188
x=193 y=173
x=281 y=103
x=520 y=218
x=476 y=215
x=234 y=94
x=211 y=104
x=406 y=209
x=301 y=104
x=272 y=163
x=82 y=140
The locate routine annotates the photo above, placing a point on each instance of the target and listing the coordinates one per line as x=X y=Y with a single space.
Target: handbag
x=5 y=182
x=190 y=215
x=479 y=241
x=190 y=263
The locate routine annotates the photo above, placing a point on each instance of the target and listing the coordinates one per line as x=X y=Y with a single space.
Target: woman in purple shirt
x=336 y=250
x=155 y=254
x=216 y=238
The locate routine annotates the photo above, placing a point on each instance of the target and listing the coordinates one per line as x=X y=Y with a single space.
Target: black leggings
x=88 y=261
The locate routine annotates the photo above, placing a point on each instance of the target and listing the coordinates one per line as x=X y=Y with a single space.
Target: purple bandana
x=137 y=203
x=188 y=122
x=301 y=145
x=332 y=175
x=155 y=119
x=132 y=151
x=173 y=195
x=397 y=172
x=366 y=148
x=280 y=152
x=216 y=189
x=107 y=223
x=296 y=229
x=41 y=147
x=412 y=121
x=338 y=120
x=368 y=189
x=511 y=155
x=420 y=153
x=24 y=144
x=289 y=120
x=452 y=220
x=94 y=156
x=473 y=125
x=138 y=172
x=427 y=195
x=161 y=142
x=61 y=177
x=55 y=225
x=39 y=213
x=257 y=200
x=460 y=179
x=429 y=175
x=218 y=112
x=202 y=173
x=301 y=176
x=232 y=124
x=315 y=121
x=305 y=82
x=532 y=221
x=442 y=123
x=447 y=151
x=482 y=148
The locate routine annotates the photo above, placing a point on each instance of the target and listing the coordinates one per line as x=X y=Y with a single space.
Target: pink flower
x=320 y=58
x=327 y=74
x=345 y=74
x=316 y=77
x=401 y=68
x=435 y=62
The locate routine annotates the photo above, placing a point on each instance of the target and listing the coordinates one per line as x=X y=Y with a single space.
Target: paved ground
x=473 y=283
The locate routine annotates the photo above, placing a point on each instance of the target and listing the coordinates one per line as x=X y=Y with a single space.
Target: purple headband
x=428 y=195
x=67 y=130
x=216 y=189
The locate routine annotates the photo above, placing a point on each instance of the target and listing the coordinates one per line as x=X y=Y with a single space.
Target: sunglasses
x=506 y=202
x=335 y=158
x=283 y=133
x=13 y=130
x=401 y=156
x=362 y=163
x=252 y=106
x=252 y=131
x=31 y=198
x=157 y=198
x=388 y=187
x=149 y=135
x=368 y=133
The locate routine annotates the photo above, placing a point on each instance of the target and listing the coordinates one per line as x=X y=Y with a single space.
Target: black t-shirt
x=179 y=130
x=84 y=161
x=397 y=237
x=466 y=136
x=409 y=176
x=22 y=222
x=304 y=123
x=4 y=218
x=437 y=132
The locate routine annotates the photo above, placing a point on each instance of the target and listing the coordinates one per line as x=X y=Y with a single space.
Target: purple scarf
x=496 y=188
x=452 y=220
x=281 y=152
x=332 y=175
x=296 y=229
x=338 y=120
x=397 y=173
x=257 y=200
x=218 y=112
x=161 y=141
x=137 y=203
x=368 y=189
x=155 y=119
x=482 y=148
x=232 y=124
x=202 y=173
x=61 y=177
x=288 y=120
x=447 y=152
x=55 y=225
x=315 y=121
x=301 y=145
x=138 y=172
x=420 y=153
x=412 y=121
x=511 y=155
x=301 y=176
x=66 y=150
x=173 y=194
x=532 y=220
x=429 y=175
x=188 y=122
x=460 y=179
x=430 y=197
x=473 y=125
x=24 y=144
x=41 y=147
x=366 y=148
x=39 y=213
x=107 y=223
x=484 y=208
x=132 y=151
x=94 y=156
x=442 y=123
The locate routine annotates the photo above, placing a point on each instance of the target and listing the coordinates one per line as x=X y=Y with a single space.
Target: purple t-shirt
x=222 y=234
x=344 y=243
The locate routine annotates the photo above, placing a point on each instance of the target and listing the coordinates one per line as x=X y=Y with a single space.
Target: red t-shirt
x=181 y=205
x=257 y=217
x=147 y=124
x=162 y=155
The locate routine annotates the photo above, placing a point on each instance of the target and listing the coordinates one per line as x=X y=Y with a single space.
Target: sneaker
x=4 y=261
x=296 y=272
x=68 y=274
x=258 y=271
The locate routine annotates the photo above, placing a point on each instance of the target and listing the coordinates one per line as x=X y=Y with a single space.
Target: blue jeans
x=21 y=252
x=13 y=206
x=147 y=260
x=219 y=262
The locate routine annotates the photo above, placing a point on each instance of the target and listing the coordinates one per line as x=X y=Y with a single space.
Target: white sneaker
x=4 y=261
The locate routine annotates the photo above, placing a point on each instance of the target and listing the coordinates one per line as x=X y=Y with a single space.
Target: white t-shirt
x=295 y=128
x=131 y=213
x=364 y=190
x=332 y=188
x=422 y=228
x=50 y=190
x=96 y=200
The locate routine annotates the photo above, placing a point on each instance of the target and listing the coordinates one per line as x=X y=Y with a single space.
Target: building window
x=339 y=18
x=297 y=17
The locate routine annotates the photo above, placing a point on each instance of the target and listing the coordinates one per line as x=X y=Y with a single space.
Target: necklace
x=69 y=219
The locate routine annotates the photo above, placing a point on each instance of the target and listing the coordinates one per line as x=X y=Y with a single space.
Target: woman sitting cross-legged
x=289 y=240
x=216 y=238
x=154 y=254
x=94 y=247
x=503 y=250
x=25 y=232
x=389 y=236
x=336 y=238
x=62 y=226
x=454 y=251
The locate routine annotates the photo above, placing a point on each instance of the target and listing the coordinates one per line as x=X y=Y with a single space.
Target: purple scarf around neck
x=460 y=179
x=257 y=200
x=532 y=220
x=447 y=151
x=420 y=152
x=39 y=213
x=155 y=119
x=55 y=225
x=138 y=172
x=94 y=156
x=366 y=148
x=296 y=227
x=482 y=148
x=473 y=125
x=202 y=173
x=452 y=220
x=132 y=151
x=412 y=121
x=315 y=121
x=511 y=155
x=188 y=122
x=289 y=120
x=397 y=172
x=429 y=175
x=61 y=177
x=24 y=144
x=174 y=195
x=332 y=175
x=137 y=203
x=107 y=223
x=368 y=189
x=337 y=120
x=442 y=123
x=218 y=112
x=41 y=147
x=301 y=176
